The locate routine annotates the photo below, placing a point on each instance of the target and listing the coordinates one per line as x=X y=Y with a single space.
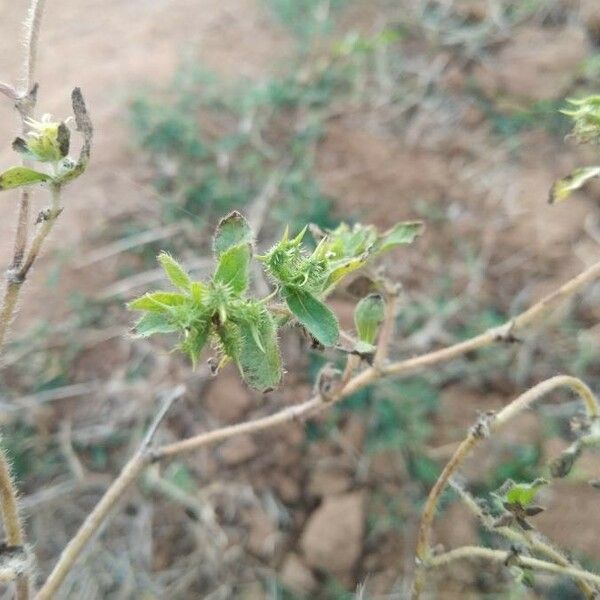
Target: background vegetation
x=293 y=112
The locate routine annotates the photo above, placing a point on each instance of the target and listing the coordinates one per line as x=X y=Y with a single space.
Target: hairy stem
x=17 y=276
x=211 y=437
x=471 y=552
x=131 y=471
x=387 y=330
x=361 y=380
x=533 y=540
x=503 y=332
x=485 y=427
x=32 y=34
x=24 y=102
x=49 y=219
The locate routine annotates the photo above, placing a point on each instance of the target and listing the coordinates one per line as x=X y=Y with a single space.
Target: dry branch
x=137 y=464
x=487 y=425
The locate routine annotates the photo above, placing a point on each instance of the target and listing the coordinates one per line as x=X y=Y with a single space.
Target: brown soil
x=273 y=504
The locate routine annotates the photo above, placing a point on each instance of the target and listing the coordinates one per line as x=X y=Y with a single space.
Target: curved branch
x=503 y=332
x=532 y=540
x=305 y=409
x=141 y=459
x=469 y=552
x=483 y=429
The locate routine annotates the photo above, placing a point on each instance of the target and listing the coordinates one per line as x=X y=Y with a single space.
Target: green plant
x=241 y=326
x=243 y=329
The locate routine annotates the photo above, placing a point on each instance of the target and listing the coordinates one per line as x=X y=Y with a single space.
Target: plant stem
x=469 y=552
x=211 y=437
x=500 y=333
x=487 y=425
x=32 y=33
x=358 y=382
x=533 y=540
x=46 y=227
x=142 y=458
x=387 y=330
x=24 y=103
x=16 y=276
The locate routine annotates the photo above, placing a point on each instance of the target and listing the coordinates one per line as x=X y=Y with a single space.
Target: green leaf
x=342 y=268
x=563 y=188
x=174 y=271
x=231 y=231
x=152 y=323
x=195 y=341
x=401 y=233
x=17 y=177
x=368 y=316
x=157 y=301
x=523 y=494
x=345 y=242
x=234 y=267
x=313 y=314
x=259 y=359
x=197 y=291
x=229 y=337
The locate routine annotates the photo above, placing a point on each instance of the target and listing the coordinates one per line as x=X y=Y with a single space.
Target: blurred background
x=297 y=111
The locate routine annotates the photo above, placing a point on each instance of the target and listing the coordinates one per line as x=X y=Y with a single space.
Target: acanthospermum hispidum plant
x=222 y=312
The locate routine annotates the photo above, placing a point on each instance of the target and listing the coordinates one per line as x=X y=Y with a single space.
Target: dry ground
x=272 y=504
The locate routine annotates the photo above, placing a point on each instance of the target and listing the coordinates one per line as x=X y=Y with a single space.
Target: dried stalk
x=136 y=464
x=98 y=516
x=470 y=552
x=533 y=540
x=24 y=102
x=485 y=427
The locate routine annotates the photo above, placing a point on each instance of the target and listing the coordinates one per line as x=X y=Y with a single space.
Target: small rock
x=263 y=535
x=238 y=450
x=287 y=487
x=327 y=482
x=227 y=398
x=297 y=576
x=332 y=538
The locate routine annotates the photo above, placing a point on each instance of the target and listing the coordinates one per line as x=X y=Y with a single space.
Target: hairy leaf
x=368 y=316
x=401 y=233
x=17 y=177
x=234 y=267
x=174 y=271
x=231 y=231
x=341 y=268
x=152 y=323
x=195 y=341
x=197 y=291
x=157 y=301
x=523 y=494
x=563 y=188
x=229 y=341
x=259 y=360
x=313 y=314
